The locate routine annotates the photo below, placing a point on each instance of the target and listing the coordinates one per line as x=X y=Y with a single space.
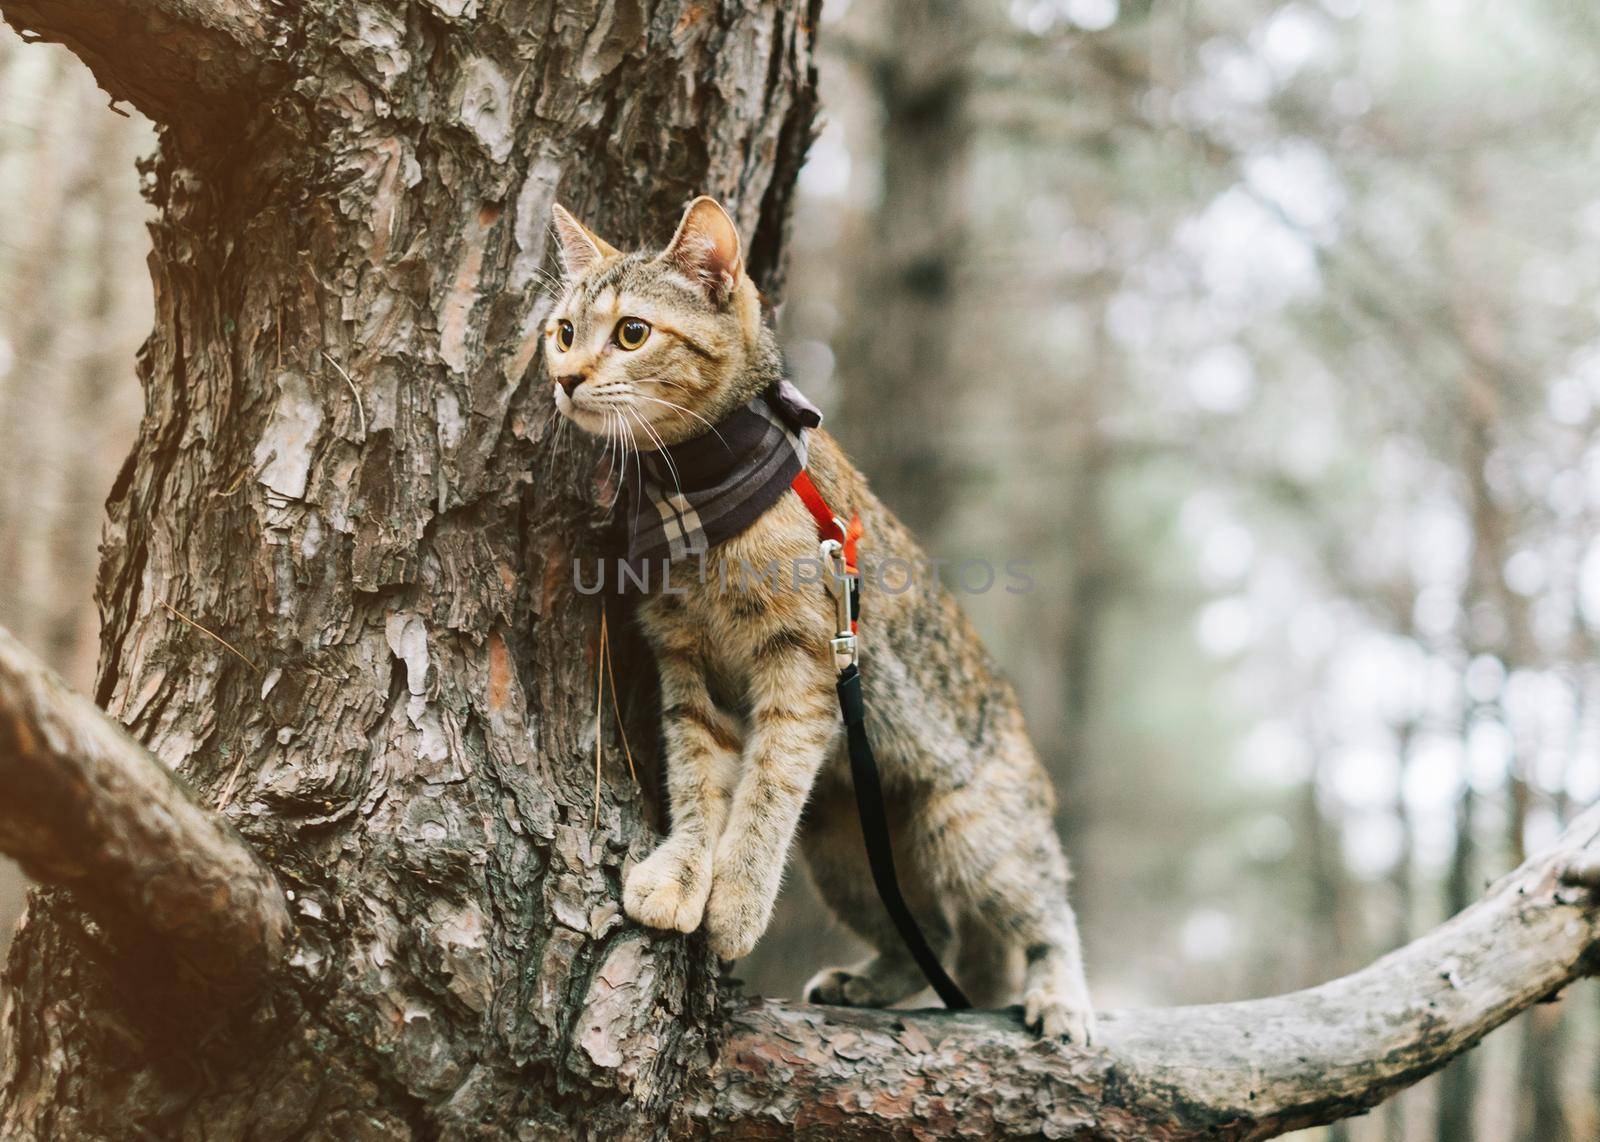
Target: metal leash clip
x=841 y=585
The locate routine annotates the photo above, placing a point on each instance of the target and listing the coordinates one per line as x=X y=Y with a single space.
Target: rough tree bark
x=338 y=602
x=337 y=584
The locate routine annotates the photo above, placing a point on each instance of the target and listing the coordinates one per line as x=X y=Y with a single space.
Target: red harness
x=831 y=527
x=828 y=524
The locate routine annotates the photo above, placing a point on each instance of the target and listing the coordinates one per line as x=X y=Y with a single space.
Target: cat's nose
x=570 y=381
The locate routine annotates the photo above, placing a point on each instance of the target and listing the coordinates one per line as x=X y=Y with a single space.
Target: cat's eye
x=631 y=332
x=564 y=334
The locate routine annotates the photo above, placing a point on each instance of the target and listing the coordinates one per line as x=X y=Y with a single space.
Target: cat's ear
x=706 y=247
x=581 y=247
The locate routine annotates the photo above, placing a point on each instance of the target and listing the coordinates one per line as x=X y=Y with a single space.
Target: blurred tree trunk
x=1091 y=589
x=67 y=351
x=1401 y=876
x=1544 y=1116
x=336 y=585
x=1328 y=913
x=902 y=387
x=1457 y=1086
x=32 y=402
x=28 y=227
x=1545 y=1046
x=65 y=422
x=1498 y=624
x=1541 y=1114
x=95 y=418
x=1485 y=622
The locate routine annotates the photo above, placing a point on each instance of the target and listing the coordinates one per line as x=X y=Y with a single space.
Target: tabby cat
x=658 y=349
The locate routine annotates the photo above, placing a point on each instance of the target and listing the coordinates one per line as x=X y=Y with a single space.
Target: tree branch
x=84 y=806
x=1246 y=1070
x=185 y=62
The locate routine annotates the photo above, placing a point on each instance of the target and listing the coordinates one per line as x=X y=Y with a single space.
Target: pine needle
x=616 y=708
x=239 y=654
x=599 y=690
x=602 y=667
x=361 y=412
x=226 y=795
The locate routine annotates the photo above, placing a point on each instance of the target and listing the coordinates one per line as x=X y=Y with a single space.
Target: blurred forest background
x=1268 y=334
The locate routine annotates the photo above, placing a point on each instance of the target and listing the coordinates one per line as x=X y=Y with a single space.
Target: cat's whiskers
x=614 y=439
x=550 y=281
x=562 y=440
x=638 y=462
x=638 y=459
x=556 y=441
x=677 y=412
x=661 y=450
x=689 y=411
x=662 y=381
x=611 y=445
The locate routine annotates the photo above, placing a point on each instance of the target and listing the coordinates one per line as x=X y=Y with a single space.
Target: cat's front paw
x=736 y=916
x=668 y=889
x=1059 y=1014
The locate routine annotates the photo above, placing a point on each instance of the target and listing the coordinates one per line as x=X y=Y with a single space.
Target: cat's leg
x=668 y=889
x=837 y=857
x=986 y=966
x=997 y=849
x=794 y=721
x=1055 y=994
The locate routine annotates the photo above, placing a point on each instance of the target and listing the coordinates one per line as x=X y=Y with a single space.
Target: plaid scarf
x=718 y=483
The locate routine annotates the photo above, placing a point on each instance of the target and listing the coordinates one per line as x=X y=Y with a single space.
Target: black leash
x=844 y=584
x=880 y=853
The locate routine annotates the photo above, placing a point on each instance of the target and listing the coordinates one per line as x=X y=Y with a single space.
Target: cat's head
x=657 y=346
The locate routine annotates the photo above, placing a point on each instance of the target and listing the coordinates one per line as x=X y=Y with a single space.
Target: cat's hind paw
x=856 y=987
x=827 y=986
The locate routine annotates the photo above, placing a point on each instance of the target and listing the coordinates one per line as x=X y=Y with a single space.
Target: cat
x=659 y=348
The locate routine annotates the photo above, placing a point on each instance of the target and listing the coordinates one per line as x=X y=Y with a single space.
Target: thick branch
x=84 y=806
x=1254 y=1069
x=187 y=62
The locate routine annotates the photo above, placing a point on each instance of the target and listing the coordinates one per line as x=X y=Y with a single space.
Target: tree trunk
x=1403 y=874
x=336 y=583
x=1091 y=593
x=34 y=383
x=337 y=595
x=1455 y=1119
x=902 y=379
x=1328 y=911
x=1479 y=403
